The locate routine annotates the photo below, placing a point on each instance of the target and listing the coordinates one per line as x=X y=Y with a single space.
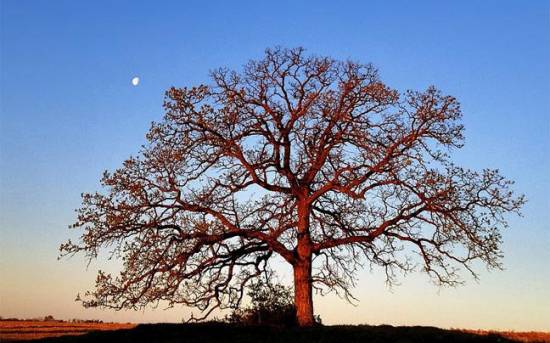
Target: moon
x=135 y=81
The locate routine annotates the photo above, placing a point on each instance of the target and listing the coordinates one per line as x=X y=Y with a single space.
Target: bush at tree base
x=270 y=304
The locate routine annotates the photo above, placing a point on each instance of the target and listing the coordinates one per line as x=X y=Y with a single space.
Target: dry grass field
x=215 y=332
x=28 y=330
x=529 y=336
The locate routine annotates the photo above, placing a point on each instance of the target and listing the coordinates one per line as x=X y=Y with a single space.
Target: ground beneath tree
x=222 y=333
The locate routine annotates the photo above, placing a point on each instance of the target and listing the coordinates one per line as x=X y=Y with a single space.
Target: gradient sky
x=69 y=111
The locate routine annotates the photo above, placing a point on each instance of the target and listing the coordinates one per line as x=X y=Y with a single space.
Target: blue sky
x=69 y=111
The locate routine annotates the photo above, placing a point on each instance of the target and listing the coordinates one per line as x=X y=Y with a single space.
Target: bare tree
x=310 y=158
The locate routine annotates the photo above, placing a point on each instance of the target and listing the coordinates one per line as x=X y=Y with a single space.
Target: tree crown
x=293 y=146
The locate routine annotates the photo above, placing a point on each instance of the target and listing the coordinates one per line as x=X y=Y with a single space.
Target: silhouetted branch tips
x=303 y=157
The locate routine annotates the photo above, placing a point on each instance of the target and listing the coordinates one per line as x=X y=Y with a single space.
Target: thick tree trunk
x=303 y=297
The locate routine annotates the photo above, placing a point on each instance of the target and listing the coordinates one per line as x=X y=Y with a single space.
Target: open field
x=529 y=336
x=31 y=330
x=218 y=332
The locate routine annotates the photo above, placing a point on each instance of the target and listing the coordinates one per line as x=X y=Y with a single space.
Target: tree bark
x=303 y=297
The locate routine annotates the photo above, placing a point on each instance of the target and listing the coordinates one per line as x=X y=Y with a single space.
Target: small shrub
x=271 y=304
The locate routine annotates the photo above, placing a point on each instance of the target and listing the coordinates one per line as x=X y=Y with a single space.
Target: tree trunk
x=303 y=297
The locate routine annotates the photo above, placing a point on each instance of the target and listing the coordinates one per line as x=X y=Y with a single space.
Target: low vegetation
x=269 y=317
x=225 y=333
x=270 y=304
x=17 y=330
x=530 y=336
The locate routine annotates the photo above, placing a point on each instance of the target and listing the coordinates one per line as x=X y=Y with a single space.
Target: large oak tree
x=305 y=157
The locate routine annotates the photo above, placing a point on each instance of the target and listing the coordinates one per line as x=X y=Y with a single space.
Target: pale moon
x=135 y=81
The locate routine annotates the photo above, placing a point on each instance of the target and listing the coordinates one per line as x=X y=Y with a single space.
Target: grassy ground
x=31 y=330
x=223 y=333
x=517 y=336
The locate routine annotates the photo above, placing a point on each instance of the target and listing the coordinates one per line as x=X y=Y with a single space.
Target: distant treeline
x=50 y=318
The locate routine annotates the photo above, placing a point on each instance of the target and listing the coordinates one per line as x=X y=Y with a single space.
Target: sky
x=68 y=111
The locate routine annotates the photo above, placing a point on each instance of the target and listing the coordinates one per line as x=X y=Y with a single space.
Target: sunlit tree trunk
x=303 y=297
x=303 y=293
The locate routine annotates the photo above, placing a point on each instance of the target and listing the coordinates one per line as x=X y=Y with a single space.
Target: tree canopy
x=306 y=157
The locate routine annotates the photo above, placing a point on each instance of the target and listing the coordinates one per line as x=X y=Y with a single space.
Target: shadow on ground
x=222 y=333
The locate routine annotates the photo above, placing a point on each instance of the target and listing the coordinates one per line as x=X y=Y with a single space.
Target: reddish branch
x=310 y=158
